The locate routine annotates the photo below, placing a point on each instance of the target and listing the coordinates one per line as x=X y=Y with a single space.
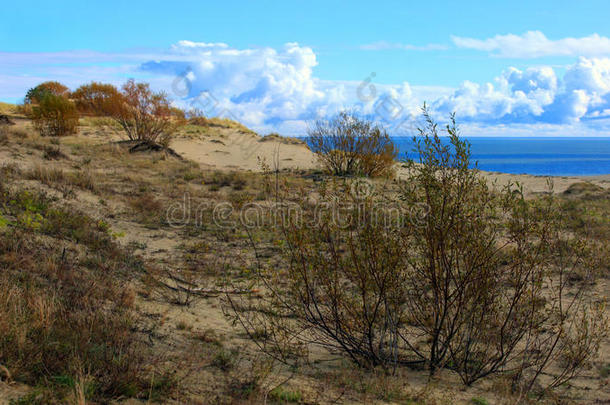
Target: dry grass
x=8 y=108
x=221 y=123
x=61 y=180
x=148 y=208
x=22 y=133
x=53 y=153
x=48 y=175
x=69 y=324
x=275 y=137
x=4 y=137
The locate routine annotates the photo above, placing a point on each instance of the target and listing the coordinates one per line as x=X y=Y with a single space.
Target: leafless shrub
x=187 y=285
x=144 y=115
x=350 y=145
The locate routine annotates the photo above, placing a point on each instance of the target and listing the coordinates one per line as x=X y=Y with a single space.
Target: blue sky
x=506 y=68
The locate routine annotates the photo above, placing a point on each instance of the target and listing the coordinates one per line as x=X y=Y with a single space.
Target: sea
x=536 y=156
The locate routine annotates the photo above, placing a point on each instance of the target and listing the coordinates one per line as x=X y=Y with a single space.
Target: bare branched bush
x=144 y=115
x=489 y=282
x=350 y=145
x=443 y=272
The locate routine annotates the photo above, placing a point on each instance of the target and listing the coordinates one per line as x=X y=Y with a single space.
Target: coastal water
x=537 y=156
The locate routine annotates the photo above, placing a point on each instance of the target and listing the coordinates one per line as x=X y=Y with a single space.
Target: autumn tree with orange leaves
x=144 y=115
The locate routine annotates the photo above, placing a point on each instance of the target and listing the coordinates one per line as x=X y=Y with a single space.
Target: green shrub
x=55 y=116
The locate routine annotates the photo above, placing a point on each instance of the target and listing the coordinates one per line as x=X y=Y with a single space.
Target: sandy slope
x=237 y=150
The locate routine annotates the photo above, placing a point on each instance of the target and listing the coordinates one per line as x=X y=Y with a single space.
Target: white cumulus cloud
x=270 y=88
x=276 y=89
x=535 y=95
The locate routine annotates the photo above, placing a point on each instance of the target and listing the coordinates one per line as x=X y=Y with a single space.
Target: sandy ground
x=539 y=184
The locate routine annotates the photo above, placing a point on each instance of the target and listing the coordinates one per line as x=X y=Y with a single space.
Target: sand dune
x=228 y=150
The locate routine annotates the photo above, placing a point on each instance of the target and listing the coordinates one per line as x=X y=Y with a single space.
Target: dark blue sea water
x=538 y=156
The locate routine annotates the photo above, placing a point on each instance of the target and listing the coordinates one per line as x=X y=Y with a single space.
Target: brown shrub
x=36 y=94
x=94 y=98
x=144 y=115
x=350 y=145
